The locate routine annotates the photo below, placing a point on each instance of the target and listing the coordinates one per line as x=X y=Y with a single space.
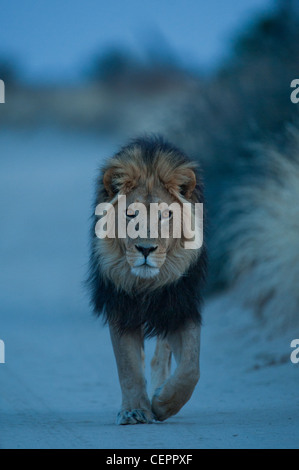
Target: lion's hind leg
x=169 y=398
x=160 y=364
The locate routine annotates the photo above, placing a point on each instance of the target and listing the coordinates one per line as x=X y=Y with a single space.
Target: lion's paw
x=164 y=404
x=136 y=416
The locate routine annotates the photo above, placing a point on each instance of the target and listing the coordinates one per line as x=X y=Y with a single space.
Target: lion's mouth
x=145 y=271
x=145 y=262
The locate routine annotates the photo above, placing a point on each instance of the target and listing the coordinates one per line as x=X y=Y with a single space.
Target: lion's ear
x=182 y=182
x=188 y=182
x=109 y=185
x=117 y=178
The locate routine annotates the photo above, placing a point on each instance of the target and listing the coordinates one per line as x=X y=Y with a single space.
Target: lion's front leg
x=177 y=390
x=136 y=406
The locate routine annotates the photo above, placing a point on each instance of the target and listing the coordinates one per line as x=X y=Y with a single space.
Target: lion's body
x=148 y=286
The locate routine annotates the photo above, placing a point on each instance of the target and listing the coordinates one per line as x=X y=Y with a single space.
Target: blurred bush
x=261 y=220
x=246 y=101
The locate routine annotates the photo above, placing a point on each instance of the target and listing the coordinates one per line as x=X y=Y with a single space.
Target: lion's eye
x=131 y=213
x=167 y=214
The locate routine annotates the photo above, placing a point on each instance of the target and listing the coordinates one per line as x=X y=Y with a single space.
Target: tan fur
x=141 y=183
x=162 y=180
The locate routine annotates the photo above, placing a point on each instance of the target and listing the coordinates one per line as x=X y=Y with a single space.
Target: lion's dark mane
x=159 y=311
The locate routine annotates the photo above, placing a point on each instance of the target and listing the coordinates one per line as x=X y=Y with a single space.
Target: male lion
x=149 y=286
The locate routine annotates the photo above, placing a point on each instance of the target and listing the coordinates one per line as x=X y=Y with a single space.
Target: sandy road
x=59 y=387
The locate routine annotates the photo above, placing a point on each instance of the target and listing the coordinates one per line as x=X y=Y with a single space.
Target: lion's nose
x=146 y=249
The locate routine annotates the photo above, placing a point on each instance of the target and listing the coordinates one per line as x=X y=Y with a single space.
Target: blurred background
x=80 y=79
x=214 y=78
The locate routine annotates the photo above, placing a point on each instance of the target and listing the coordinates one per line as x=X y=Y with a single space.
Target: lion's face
x=150 y=259
x=146 y=254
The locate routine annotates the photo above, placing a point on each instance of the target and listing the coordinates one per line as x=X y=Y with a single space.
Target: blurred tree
x=288 y=5
x=247 y=100
x=114 y=65
x=119 y=70
x=271 y=34
x=8 y=72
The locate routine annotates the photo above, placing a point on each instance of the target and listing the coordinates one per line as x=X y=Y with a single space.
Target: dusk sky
x=56 y=40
